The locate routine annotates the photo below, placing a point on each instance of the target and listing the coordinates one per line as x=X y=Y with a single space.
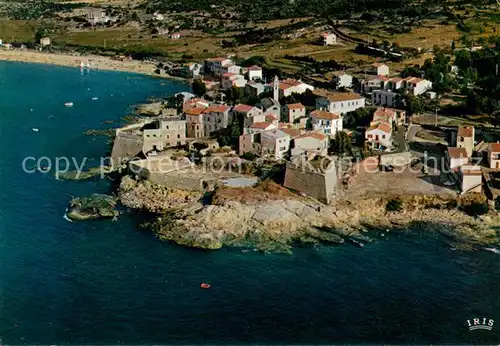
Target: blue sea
x=104 y=282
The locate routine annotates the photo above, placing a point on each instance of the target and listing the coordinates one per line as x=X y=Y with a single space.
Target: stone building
x=317 y=178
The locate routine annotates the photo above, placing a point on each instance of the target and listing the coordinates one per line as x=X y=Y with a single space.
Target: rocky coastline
x=270 y=218
x=95 y=206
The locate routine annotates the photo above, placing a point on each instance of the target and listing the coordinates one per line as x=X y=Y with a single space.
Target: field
x=203 y=35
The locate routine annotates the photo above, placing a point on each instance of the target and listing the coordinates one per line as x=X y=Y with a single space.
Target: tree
x=234 y=94
x=341 y=143
x=414 y=104
x=39 y=34
x=199 y=88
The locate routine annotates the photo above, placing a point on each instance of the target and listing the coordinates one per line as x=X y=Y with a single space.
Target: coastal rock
x=96 y=206
x=272 y=222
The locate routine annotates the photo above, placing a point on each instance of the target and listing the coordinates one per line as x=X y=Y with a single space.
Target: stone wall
x=126 y=145
x=321 y=186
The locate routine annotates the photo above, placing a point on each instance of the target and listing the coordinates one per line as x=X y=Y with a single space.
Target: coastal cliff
x=271 y=218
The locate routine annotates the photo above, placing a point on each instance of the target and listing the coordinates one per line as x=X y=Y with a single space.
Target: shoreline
x=98 y=62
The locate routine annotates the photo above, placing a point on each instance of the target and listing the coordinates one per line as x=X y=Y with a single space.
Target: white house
x=310 y=141
x=249 y=114
x=229 y=80
x=456 y=157
x=175 y=35
x=329 y=123
x=292 y=112
x=253 y=72
x=231 y=68
x=289 y=86
x=339 y=103
x=254 y=89
x=275 y=142
x=329 y=38
x=380 y=69
x=417 y=86
x=342 y=79
x=45 y=41
x=494 y=155
x=374 y=83
x=379 y=135
x=393 y=84
x=472 y=178
x=214 y=66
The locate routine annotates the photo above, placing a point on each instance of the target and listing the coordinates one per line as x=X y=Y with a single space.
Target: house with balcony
x=326 y=122
x=379 y=135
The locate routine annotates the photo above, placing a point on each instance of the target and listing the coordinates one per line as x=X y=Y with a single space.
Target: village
x=348 y=141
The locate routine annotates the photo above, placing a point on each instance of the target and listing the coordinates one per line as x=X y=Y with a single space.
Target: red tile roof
x=270 y=118
x=324 y=115
x=495 y=147
x=295 y=106
x=217 y=109
x=241 y=108
x=382 y=126
x=195 y=111
x=465 y=131
x=337 y=97
x=315 y=135
x=254 y=68
x=457 y=153
x=260 y=125
x=294 y=133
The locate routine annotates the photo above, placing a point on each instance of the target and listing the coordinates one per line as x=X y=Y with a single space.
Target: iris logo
x=480 y=323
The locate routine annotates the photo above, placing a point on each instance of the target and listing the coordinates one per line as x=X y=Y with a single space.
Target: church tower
x=276 y=88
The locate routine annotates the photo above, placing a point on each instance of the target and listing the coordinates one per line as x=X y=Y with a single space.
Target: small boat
x=205 y=286
x=35 y=129
x=68 y=104
x=492 y=249
x=357 y=243
x=95 y=98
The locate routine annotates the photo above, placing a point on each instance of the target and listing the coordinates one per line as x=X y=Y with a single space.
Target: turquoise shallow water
x=109 y=282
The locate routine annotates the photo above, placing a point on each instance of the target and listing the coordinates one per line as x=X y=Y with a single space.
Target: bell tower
x=276 y=88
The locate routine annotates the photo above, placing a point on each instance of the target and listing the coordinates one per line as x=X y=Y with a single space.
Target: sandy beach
x=95 y=61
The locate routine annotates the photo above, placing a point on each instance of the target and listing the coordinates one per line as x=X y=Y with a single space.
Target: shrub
x=394 y=204
x=476 y=208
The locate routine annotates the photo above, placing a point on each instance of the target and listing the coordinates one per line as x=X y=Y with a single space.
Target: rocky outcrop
x=96 y=206
x=275 y=224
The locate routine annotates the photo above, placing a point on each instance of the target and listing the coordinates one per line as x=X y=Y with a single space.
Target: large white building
x=339 y=103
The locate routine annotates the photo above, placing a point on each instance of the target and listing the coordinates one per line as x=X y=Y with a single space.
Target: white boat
x=68 y=104
x=95 y=98
x=492 y=249
x=35 y=129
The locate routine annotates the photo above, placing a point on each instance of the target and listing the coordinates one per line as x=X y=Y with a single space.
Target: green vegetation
x=476 y=208
x=199 y=88
x=341 y=144
x=394 y=204
x=261 y=10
